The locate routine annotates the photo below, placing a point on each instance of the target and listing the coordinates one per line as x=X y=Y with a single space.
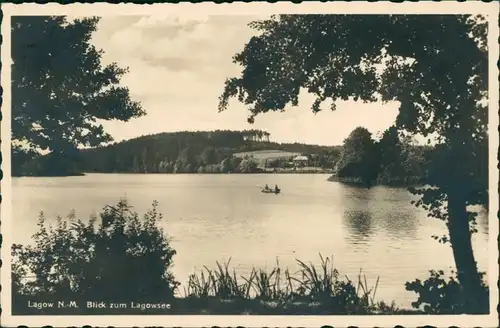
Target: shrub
x=436 y=295
x=121 y=258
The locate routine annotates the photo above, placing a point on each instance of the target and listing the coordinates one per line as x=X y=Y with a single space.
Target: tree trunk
x=461 y=243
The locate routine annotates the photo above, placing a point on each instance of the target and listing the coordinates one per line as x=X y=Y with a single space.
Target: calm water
x=216 y=217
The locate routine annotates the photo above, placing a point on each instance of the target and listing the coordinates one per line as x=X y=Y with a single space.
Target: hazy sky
x=178 y=66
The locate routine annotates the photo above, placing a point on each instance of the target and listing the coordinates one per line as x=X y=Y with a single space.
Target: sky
x=178 y=66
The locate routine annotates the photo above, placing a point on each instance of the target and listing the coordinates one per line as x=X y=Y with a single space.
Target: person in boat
x=276 y=189
x=266 y=187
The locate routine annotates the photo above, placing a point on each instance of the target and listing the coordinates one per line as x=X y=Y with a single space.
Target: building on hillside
x=301 y=161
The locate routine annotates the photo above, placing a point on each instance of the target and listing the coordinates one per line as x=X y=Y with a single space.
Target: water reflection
x=379 y=210
x=359 y=224
x=358 y=214
x=400 y=224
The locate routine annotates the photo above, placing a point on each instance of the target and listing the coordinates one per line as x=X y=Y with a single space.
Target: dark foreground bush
x=441 y=295
x=121 y=258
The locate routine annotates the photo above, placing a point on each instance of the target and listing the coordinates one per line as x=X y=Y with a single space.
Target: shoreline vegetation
x=394 y=182
x=361 y=160
x=298 y=170
x=97 y=267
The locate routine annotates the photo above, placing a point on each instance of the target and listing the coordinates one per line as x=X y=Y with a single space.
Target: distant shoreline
x=282 y=171
x=354 y=181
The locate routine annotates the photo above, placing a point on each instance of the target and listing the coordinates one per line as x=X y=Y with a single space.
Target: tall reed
x=311 y=285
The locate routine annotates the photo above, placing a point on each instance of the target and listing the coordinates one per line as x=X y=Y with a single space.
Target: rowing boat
x=271 y=191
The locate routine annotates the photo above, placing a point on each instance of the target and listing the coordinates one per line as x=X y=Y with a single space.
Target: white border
x=490 y=10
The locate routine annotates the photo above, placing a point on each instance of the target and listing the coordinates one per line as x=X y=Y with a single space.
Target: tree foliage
x=435 y=66
x=77 y=261
x=402 y=159
x=441 y=295
x=393 y=160
x=359 y=156
x=60 y=87
x=179 y=152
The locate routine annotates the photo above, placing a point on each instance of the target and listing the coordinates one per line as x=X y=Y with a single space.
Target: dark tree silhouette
x=435 y=66
x=359 y=157
x=60 y=88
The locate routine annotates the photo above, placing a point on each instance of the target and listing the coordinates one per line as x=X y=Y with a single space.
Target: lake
x=216 y=217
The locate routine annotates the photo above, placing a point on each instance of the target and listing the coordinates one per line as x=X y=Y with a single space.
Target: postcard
x=250 y=164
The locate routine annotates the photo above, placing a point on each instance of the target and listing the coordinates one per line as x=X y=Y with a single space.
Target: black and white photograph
x=250 y=164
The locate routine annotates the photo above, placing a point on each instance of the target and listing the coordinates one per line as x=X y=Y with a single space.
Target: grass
x=311 y=290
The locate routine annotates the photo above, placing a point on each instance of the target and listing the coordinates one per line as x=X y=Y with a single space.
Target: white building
x=301 y=161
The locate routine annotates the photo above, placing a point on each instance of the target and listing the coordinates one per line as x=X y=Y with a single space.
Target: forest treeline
x=177 y=152
x=393 y=159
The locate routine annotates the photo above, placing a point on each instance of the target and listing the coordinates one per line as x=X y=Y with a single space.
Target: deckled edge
x=218 y=2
